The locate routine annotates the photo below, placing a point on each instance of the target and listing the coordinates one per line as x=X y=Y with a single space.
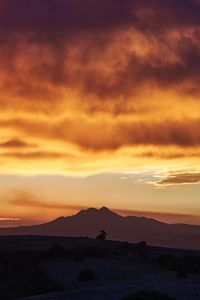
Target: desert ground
x=41 y=268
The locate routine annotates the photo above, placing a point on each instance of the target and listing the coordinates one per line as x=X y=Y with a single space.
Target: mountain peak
x=96 y=212
x=104 y=209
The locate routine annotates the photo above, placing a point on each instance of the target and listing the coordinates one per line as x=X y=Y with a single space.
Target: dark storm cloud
x=89 y=25
x=175 y=178
x=62 y=15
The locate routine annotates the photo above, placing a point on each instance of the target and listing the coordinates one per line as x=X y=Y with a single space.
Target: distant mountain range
x=132 y=229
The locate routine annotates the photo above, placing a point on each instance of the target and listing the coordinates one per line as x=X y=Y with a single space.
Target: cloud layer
x=98 y=79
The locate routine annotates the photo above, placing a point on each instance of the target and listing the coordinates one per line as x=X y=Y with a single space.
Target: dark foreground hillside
x=48 y=268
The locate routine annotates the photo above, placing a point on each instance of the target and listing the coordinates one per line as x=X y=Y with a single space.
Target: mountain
x=132 y=229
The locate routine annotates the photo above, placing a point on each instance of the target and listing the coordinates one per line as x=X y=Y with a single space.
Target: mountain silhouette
x=91 y=221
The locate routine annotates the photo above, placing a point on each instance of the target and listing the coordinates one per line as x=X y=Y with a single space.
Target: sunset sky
x=99 y=106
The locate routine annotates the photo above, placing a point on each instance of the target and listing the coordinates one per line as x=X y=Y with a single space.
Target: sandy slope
x=116 y=277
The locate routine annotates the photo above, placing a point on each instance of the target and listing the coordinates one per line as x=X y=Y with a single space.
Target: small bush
x=86 y=275
x=181 y=274
x=78 y=257
x=57 y=250
x=146 y=295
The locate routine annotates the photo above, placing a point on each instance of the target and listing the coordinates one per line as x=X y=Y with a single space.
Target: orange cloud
x=36 y=155
x=15 y=143
x=88 y=85
x=28 y=200
x=117 y=133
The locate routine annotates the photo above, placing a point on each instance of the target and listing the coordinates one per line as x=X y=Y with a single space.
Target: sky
x=99 y=106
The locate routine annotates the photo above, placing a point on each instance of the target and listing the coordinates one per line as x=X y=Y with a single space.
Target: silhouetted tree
x=102 y=235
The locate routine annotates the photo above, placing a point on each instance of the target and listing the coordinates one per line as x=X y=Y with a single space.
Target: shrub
x=181 y=274
x=86 y=275
x=78 y=257
x=57 y=250
x=146 y=295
